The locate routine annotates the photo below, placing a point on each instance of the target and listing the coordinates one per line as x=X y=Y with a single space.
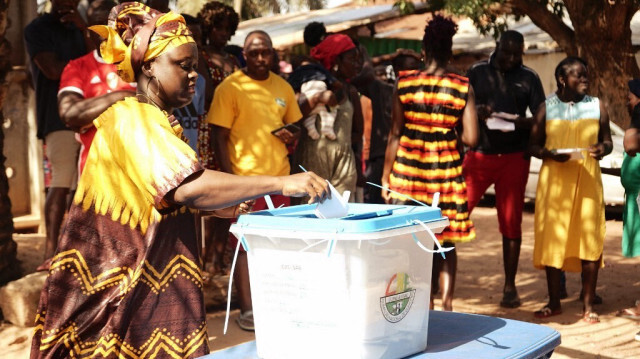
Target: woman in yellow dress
x=571 y=134
x=126 y=280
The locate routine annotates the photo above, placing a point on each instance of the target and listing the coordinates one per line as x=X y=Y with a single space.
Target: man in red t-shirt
x=88 y=86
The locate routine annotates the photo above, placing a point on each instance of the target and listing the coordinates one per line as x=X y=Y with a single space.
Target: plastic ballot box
x=357 y=286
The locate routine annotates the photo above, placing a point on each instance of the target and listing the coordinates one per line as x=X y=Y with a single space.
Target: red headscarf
x=330 y=48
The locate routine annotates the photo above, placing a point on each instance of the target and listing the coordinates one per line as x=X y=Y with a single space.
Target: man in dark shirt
x=52 y=40
x=504 y=89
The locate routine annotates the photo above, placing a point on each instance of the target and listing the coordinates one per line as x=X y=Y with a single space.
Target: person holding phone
x=247 y=106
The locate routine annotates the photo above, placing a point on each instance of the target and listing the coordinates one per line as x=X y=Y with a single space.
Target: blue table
x=461 y=336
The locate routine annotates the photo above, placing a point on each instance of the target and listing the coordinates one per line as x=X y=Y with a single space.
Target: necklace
x=173 y=121
x=143 y=98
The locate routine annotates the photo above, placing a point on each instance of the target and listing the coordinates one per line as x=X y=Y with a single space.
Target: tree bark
x=9 y=268
x=602 y=36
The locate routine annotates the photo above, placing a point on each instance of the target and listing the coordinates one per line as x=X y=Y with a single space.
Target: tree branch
x=548 y=22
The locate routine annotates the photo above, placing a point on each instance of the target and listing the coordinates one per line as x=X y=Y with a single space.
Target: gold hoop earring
x=157 y=85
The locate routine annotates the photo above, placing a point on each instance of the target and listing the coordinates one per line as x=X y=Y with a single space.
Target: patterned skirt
x=428 y=161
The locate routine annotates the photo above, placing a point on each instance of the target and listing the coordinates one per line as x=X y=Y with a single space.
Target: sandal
x=629 y=313
x=510 y=300
x=547 y=312
x=590 y=317
x=245 y=321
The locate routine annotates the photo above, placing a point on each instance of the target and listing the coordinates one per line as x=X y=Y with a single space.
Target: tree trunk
x=602 y=36
x=9 y=268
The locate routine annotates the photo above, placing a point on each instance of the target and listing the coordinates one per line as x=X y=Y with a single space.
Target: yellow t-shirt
x=251 y=109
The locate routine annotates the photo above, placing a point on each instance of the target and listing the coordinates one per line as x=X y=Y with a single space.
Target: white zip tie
x=269 y=202
x=233 y=267
x=433 y=236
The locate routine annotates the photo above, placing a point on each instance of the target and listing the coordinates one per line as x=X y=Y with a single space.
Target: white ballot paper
x=575 y=153
x=500 y=121
x=335 y=207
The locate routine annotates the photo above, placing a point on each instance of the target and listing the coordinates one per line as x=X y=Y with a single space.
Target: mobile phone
x=291 y=128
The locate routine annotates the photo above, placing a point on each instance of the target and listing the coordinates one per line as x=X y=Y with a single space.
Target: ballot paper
x=335 y=207
x=575 y=153
x=497 y=123
x=505 y=115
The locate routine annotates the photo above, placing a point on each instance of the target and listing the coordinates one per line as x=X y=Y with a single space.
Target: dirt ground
x=478 y=290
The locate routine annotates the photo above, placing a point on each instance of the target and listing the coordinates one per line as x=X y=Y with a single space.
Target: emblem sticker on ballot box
x=399 y=296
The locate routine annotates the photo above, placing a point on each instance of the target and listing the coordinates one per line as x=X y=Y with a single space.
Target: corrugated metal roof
x=286 y=30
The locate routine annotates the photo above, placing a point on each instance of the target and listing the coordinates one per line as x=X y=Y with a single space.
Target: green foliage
x=257 y=8
x=404 y=7
x=254 y=8
x=490 y=16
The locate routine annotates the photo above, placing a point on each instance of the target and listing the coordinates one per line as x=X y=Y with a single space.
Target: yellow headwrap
x=136 y=34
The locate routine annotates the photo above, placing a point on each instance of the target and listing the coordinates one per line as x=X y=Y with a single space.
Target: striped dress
x=428 y=160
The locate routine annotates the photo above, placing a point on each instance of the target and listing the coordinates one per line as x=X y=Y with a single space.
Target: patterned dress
x=125 y=281
x=428 y=160
x=569 y=216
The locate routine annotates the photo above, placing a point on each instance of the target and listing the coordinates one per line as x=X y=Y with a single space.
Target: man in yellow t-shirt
x=247 y=106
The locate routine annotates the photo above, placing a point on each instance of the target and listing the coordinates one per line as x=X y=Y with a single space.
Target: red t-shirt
x=89 y=76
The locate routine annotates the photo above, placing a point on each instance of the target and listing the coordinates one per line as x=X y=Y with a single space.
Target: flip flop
x=629 y=313
x=547 y=312
x=590 y=317
x=245 y=321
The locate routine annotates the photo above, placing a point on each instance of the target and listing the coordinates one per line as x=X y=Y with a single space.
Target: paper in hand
x=497 y=123
x=505 y=116
x=574 y=153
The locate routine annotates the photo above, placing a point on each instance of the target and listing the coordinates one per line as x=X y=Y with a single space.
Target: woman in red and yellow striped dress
x=433 y=109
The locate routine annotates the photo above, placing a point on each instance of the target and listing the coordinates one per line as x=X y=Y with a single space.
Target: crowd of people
x=165 y=133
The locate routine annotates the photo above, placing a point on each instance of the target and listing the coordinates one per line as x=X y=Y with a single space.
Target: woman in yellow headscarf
x=126 y=282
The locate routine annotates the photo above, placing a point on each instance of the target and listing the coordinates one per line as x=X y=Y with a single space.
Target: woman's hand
x=599 y=150
x=306 y=184
x=558 y=157
x=386 y=195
